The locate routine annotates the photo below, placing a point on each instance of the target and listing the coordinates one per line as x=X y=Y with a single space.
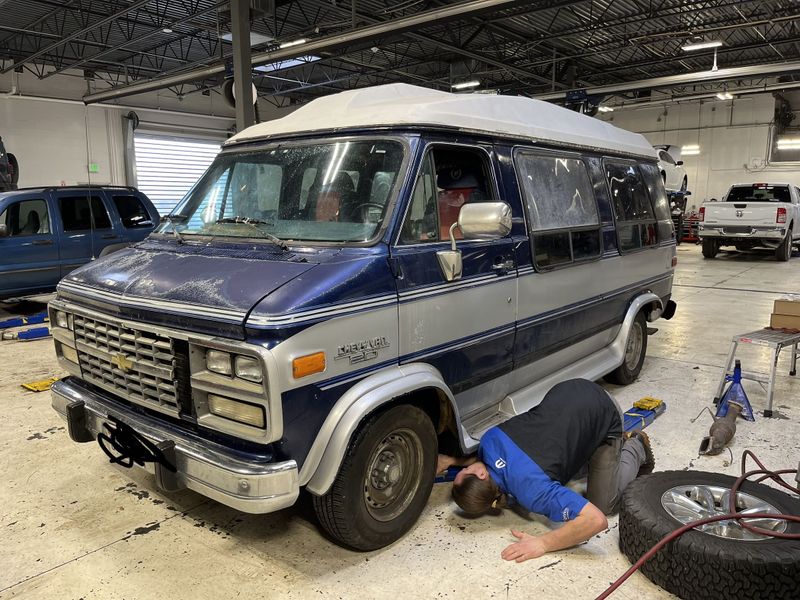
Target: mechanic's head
x=475 y=492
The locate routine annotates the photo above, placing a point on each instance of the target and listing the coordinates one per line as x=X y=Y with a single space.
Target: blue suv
x=47 y=232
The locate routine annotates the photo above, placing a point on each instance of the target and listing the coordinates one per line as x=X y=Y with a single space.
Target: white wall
x=55 y=141
x=733 y=136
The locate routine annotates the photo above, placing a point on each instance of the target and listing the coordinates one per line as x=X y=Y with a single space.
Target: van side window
x=655 y=187
x=636 y=221
x=77 y=215
x=449 y=178
x=132 y=212
x=564 y=220
x=28 y=217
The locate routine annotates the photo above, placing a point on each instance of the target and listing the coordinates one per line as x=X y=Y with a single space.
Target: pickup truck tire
x=784 y=251
x=710 y=248
x=13 y=168
x=701 y=564
x=384 y=481
x=635 y=351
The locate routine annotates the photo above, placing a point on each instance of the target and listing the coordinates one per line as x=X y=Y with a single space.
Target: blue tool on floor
x=735 y=393
x=22 y=321
x=643 y=413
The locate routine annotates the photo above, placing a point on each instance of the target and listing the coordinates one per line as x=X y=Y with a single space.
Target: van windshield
x=759 y=193
x=332 y=191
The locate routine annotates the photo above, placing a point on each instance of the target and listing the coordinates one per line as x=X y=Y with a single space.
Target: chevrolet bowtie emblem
x=122 y=362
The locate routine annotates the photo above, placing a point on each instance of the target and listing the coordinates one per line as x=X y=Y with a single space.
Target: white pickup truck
x=750 y=215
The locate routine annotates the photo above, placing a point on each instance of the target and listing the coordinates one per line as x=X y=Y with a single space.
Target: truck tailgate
x=741 y=213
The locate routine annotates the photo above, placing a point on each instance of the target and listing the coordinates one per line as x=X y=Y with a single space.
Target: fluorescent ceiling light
x=788 y=144
x=690 y=150
x=701 y=45
x=726 y=95
x=286 y=64
x=463 y=85
x=605 y=109
x=256 y=39
x=293 y=43
x=167 y=30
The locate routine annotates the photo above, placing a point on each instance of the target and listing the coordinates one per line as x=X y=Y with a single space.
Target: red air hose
x=734 y=514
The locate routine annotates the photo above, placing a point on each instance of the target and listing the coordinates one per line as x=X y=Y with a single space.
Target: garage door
x=166 y=167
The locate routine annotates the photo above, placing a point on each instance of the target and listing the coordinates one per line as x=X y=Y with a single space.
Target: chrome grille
x=137 y=365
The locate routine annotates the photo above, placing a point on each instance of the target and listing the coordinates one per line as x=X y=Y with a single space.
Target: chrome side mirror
x=485 y=220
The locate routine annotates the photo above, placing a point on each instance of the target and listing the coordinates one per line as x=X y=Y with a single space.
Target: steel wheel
x=393 y=475
x=633 y=349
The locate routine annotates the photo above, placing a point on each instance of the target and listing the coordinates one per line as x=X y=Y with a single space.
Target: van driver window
x=448 y=179
x=636 y=221
x=563 y=215
x=28 y=217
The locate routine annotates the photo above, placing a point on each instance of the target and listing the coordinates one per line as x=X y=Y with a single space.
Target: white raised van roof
x=399 y=104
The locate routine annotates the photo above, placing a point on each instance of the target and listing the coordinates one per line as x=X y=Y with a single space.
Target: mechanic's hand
x=442 y=463
x=528 y=546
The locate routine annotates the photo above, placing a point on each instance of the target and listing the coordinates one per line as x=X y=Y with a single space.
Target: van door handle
x=108 y=236
x=42 y=242
x=504 y=266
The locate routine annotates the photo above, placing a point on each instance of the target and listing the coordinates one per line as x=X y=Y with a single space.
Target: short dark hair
x=477 y=496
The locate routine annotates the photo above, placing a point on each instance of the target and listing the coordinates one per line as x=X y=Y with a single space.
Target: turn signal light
x=308 y=365
x=702 y=213
x=781 y=218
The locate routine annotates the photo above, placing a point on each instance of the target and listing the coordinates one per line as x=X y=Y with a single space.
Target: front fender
x=328 y=450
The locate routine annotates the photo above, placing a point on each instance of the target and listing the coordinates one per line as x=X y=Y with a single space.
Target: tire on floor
x=701 y=565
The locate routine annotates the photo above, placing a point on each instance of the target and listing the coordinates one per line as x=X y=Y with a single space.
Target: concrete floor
x=72 y=526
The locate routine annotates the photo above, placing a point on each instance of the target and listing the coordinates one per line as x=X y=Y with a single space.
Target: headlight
x=218 y=362
x=69 y=353
x=62 y=319
x=242 y=412
x=248 y=368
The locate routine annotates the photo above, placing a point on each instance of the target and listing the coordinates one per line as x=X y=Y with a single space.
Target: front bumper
x=203 y=466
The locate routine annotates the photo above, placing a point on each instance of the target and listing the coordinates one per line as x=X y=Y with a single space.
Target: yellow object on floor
x=647 y=403
x=40 y=386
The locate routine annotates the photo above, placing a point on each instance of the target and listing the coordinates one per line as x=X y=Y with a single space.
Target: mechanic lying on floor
x=530 y=457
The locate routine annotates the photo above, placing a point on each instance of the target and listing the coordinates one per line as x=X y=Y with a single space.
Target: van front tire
x=635 y=351
x=384 y=481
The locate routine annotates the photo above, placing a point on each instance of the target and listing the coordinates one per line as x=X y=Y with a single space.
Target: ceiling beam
x=323 y=44
x=684 y=78
x=76 y=34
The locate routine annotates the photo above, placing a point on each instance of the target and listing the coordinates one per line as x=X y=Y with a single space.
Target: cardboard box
x=787 y=307
x=784 y=321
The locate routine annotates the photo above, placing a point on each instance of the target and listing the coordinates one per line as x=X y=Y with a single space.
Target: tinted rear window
x=132 y=212
x=759 y=193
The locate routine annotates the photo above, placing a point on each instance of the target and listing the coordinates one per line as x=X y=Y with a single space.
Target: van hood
x=199 y=282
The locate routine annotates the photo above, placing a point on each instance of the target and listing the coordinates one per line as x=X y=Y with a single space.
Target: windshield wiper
x=254 y=223
x=171 y=220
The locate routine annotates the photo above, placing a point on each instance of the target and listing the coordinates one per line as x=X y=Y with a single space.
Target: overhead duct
x=683 y=79
x=324 y=44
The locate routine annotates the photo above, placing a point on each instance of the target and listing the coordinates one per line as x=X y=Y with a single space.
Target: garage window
x=562 y=210
x=167 y=167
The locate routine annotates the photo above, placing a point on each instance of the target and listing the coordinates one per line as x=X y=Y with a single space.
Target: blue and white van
x=381 y=274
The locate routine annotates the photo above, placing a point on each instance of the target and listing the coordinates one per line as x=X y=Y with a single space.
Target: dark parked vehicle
x=47 y=232
x=9 y=170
